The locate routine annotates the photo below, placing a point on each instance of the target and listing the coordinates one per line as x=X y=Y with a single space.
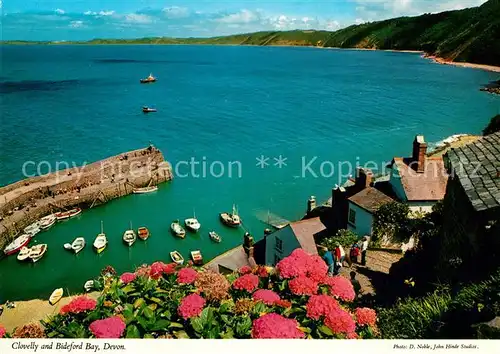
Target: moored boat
x=47 y=221
x=63 y=215
x=177 y=229
x=67 y=246
x=214 y=236
x=78 y=244
x=89 y=285
x=143 y=233
x=231 y=219
x=37 y=252
x=145 y=190
x=192 y=224
x=129 y=237
x=56 y=296
x=23 y=254
x=148 y=80
x=177 y=257
x=32 y=229
x=196 y=257
x=17 y=244
x=100 y=241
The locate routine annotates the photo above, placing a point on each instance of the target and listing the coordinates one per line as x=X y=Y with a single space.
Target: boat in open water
x=78 y=244
x=214 y=236
x=17 y=244
x=196 y=257
x=100 y=241
x=192 y=223
x=177 y=257
x=177 y=229
x=231 y=219
x=89 y=285
x=37 y=252
x=148 y=80
x=145 y=190
x=129 y=236
x=143 y=233
x=64 y=215
x=24 y=254
x=56 y=296
x=146 y=109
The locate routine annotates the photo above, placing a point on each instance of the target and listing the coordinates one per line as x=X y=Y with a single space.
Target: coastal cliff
x=25 y=201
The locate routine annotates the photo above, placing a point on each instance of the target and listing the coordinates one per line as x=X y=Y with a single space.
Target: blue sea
x=221 y=107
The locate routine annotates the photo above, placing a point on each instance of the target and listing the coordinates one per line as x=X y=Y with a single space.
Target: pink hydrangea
x=268 y=297
x=245 y=270
x=169 y=268
x=293 y=265
x=340 y=322
x=187 y=276
x=273 y=325
x=191 y=306
x=248 y=282
x=262 y=272
x=79 y=304
x=112 y=327
x=341 y=288
x=366 y=316
x=127 y=277
x=321 y=306
x=156 y=270
x=302 y=285
x=2 y=331
x=316 y=268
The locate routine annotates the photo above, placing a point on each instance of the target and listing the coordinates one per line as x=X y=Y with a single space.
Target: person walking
x=355 y=283
x=328 y=258
x=339 y=257
x=364 y=248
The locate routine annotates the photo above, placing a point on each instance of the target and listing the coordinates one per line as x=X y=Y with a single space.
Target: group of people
x=335 y=258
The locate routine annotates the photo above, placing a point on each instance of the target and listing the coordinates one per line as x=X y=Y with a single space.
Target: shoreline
x=443 y=61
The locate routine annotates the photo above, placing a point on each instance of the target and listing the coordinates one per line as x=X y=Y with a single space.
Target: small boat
x=17 y=244
x=67 y=246
x=37 y=252
x=32 y=229
x=177 y=257
x=146 y=109
x=177 y=229
x=100 y=241
x=192 y=223
x=145 y=190
x=47 y=221
x=143 y=233
x=196 y=257
x=129 y=236
x=214 y=236
x=89 y=285
x=148 y=80
x=56 y=296
x=23 y=254
x=63 y=215
x=78 y=244
x=231 y=219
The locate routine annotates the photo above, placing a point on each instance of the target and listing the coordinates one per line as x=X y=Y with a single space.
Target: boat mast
x=102 y=228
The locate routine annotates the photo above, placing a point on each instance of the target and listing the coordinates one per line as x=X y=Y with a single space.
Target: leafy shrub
x=391 y=221
x=345 y=237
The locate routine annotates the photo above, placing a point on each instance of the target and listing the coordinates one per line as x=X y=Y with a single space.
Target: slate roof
x=477 y=166
x=370 y=199
x=305 y=231
x=428 y=185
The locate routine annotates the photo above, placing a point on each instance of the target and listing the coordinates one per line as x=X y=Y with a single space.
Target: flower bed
x=296 y=300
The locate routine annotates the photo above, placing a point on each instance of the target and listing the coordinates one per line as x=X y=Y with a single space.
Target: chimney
x=248 y=243
x=364 y=178
x=419 y=153
x=311 y=204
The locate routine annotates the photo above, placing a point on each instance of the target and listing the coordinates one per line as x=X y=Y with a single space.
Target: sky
x=62 y=20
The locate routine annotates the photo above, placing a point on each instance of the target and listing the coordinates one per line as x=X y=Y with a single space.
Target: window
x=279 y=245
x=276 y=259
x=352 y=217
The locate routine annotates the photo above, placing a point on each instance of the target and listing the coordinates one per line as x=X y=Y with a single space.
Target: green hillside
x=469 y=35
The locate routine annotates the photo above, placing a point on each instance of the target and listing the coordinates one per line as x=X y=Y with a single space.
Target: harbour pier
x=26 y=201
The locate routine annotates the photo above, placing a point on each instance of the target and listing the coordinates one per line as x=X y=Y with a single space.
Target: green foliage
x=493 y=126
x=345 y=237
x=392 y=222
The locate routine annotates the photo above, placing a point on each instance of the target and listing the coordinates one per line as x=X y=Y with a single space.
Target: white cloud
x=138 y=18
x=100 y=13
x=241 y=17
x=59 y=11
x=176 y=12
x=89 y=13
x=332 y=25
x=106 y=13
x=359 y=21
x=76 y=24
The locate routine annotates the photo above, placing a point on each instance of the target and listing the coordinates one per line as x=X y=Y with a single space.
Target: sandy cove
x=34 y=311
x=462 y=64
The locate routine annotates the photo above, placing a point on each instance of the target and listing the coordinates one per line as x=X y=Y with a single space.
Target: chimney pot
x=419 y=153
x=364 y=178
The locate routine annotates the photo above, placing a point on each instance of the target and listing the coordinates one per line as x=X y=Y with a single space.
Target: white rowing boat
x=145 y=190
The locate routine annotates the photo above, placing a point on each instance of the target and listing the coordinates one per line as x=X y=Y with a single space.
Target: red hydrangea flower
x=316 y=268
x=352 y=335
x=293 y=265
x=169 y=268
x=2 y=331
x=268 y=297
x=283 y=303
x=341 y=288
x=157 y=269
x=366 y=316
x=248 y=282
x=320 y=305
x=191 y=306
x=303 y=286
x=79 y=304
x=340 y=322
x=273 y=325
x=127 y=277
x=245 y=270
x=111 y=327
x=187 y=276
x=262 y=272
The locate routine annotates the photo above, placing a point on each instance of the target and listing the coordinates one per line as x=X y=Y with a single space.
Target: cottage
x=472 y=204
x=419 y=180
x=362 y=206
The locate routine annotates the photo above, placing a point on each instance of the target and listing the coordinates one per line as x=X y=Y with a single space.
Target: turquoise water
x=230 y=104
